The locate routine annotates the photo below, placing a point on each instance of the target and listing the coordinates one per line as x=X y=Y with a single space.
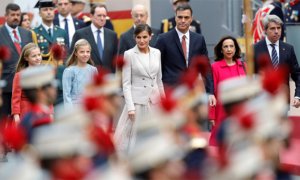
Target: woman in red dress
x=30 y=56
x=227 y=65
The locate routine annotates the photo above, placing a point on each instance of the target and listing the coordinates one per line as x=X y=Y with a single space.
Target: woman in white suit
x=142 y=87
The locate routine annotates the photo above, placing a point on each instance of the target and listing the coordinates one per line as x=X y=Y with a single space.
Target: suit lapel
x=8 y=38
x=139 y=63
x=192 y=42
x=177 y=41
x=282 y=52
x=90 y=38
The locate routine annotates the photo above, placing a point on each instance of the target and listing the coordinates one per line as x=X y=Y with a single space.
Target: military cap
x=239 y=88
x=37 y=76
x=44 y=3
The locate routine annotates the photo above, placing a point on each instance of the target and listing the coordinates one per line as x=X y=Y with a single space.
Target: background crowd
x=79 y=103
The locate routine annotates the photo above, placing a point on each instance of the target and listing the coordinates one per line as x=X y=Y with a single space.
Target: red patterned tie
x=17 y=42
x=183 y=44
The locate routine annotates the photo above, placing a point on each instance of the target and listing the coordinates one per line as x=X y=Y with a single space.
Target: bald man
x=139 y=14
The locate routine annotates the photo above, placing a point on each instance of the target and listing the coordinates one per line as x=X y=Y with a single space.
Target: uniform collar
x=47 y=27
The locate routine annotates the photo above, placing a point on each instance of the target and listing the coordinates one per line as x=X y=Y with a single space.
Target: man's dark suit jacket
x=172 y=57
x=110 y=46
x=78 y=24
x=9 y=66
x=127 y=40
x=286 y=56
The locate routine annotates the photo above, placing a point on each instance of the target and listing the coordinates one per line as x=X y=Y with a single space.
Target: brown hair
x=73 y=59
x=218 y=49
x=93 y=8
x=23 y=63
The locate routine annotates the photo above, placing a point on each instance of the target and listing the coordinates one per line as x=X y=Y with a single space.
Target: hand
x=131 y=115
x=212 y=100
x=212 y=122
x=296 y=102
x=17 y=118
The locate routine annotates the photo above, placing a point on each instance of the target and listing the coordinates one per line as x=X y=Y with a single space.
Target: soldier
x=291 y=12
x=77 y=11
x=168 y=24
x=47 y=33
x=39 y=86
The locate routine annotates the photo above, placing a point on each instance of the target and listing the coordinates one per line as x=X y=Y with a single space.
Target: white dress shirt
x=12 y=36
x=71 y=25
x=270 y=47
x=95 y=33
x=187 y=40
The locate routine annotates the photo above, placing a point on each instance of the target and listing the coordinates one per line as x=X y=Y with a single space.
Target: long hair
x=73 y=59
x=218 y=49
x=23 y=63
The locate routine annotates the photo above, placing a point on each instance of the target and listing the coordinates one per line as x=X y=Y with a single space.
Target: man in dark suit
x=280 y=53
x=103 y=41
x=169 y=24
x=14 y=38
x=178 y=47
x=65 y=20
x=139 y=15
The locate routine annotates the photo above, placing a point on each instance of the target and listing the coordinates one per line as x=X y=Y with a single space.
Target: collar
x=10 y=29
x=69 y=17
x=180 y=34
x=269 y=42
x=136 y=49
x=47 y=27
x=224 y=64
x=95 y=29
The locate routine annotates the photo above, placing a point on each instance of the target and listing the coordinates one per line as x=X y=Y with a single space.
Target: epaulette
x=197 y=21
x=86 y=18
x=165 y=25
x=107 y=18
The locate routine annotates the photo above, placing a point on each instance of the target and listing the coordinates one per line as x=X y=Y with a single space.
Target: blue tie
x=99 y=44
x=67 y=30
x=274 y=59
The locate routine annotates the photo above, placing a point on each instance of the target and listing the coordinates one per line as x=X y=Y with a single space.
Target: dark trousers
x=5 y=110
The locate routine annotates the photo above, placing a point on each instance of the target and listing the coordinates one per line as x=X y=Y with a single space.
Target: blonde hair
x=23 y=63
x=73 y=59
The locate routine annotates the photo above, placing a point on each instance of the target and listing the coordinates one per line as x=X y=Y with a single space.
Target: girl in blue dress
x=79 y=72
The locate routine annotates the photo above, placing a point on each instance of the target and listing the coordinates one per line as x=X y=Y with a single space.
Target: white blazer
x=140 y=84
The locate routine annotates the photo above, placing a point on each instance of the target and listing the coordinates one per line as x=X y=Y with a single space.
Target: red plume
x=273 y=79
x=92 y=103
x=13 y=135
x=99 y=78
x=247 y=121
x=4 y=53
x=168 y=103
x=189 y=77
x=59 y=52
x=103 y=140
x=119 y=62
x=264 y=61
x=202 y=65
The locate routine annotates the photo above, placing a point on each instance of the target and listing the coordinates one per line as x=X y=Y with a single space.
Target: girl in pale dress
x=79 y=72
x=142 y=87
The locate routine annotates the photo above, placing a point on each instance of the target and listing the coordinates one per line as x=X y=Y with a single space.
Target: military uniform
x=292 y=12
x=45 y=41
x=168 y=24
